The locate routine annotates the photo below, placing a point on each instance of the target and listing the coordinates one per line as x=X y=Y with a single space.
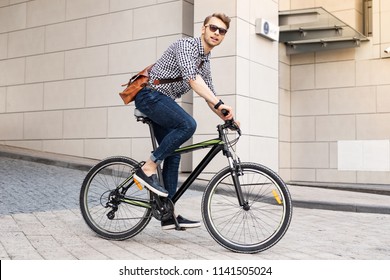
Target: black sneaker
x=151 y=183
x=183 y=222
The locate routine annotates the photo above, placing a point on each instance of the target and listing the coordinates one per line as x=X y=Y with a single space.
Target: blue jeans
x=172 y=127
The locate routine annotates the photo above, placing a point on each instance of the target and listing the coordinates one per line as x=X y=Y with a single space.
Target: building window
x=367 y=18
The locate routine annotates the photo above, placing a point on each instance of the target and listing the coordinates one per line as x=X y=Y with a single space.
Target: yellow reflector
x=276 y=197
x=138 y=184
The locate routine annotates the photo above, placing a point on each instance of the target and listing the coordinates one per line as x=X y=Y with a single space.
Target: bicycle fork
x=236 y=172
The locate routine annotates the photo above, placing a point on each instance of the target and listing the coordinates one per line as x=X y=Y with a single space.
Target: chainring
x=163 y=214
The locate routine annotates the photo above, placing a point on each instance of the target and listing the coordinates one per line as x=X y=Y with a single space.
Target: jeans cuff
x=155 y=160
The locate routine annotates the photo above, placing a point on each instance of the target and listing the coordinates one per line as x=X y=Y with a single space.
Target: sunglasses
x=214 y=28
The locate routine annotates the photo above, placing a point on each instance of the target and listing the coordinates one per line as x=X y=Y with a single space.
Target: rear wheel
x=258 y=224
x=111 y=203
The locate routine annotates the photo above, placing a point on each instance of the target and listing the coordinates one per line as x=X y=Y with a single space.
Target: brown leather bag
x=135 y=84
x=139 y=81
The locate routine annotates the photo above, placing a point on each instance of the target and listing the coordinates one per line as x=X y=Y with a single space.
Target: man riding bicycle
x=185 y=65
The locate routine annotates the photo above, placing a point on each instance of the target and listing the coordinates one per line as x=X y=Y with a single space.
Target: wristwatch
x=216 y=106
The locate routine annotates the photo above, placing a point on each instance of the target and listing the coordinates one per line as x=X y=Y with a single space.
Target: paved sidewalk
x=40 y=219
x=347 y=198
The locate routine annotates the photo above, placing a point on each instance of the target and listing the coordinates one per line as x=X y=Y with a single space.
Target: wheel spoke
x=252 y=228
x=100 y=195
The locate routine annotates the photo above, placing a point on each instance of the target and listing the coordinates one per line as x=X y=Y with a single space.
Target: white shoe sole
x=168 y=227
x=150 y=187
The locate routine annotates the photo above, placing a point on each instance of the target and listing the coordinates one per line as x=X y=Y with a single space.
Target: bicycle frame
x=217 y=145
x=246 y=207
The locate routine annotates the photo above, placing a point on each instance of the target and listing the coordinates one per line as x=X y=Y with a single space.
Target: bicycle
x=246 y=207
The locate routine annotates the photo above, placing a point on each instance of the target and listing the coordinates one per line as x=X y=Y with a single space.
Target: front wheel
x=111 y=203
x=260 y=222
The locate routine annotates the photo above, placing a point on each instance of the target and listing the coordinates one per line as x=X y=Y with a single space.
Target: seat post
x=144 y=119
x=154 y=145
x=152 y=136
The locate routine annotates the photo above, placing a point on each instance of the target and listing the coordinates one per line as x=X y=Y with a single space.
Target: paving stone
x=40 y=219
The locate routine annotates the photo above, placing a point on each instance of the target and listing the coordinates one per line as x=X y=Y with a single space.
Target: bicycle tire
x=247 y=230
x=95 y=192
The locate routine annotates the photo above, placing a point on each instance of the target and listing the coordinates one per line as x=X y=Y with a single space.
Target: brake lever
x=237 y=128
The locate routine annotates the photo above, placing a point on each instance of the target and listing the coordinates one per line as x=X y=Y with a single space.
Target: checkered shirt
x=181 y=59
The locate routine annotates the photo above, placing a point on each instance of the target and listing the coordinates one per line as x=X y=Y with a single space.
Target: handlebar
x=231 y=124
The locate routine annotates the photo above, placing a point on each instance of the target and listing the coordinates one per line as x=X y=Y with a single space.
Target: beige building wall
x=335 y=118
x=245 y=73
x=314 y=117
x=62 y=63
x=61 y=66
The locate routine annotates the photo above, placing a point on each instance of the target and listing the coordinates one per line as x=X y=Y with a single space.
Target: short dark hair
x=221 y=16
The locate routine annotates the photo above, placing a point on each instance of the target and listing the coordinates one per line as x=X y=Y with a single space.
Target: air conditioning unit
x=267 y=29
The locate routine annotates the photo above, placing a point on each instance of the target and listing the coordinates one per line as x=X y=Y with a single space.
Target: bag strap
x=178 y=79
x=144 y=73
x=167 y=81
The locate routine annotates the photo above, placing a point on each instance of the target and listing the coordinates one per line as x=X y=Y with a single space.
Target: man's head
x=224 y=18
x=214 y=29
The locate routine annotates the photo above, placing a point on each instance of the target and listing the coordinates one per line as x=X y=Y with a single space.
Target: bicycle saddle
x=140 y=116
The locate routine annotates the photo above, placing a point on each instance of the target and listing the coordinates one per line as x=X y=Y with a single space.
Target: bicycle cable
x=232 y=143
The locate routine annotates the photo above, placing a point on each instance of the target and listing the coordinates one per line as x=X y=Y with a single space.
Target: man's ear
x=203 y=29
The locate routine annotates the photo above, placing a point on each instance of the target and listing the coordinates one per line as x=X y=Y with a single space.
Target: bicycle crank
x=162 y=208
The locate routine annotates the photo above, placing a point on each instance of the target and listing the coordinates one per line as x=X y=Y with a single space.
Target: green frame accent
x=217 y=146
x=200 y=145
x=144 y=204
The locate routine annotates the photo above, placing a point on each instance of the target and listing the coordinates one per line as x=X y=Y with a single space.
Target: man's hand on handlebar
x=230 y=122
x=225 y=112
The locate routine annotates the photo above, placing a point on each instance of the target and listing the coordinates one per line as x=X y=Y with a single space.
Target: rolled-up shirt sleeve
x=188 y=60
x=205 y=72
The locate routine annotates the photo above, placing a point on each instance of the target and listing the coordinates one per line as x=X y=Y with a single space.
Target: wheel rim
x=100 y=185
x=259 y=223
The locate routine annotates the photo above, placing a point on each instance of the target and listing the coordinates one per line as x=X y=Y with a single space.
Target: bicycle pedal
x=177 y=225
x=180 y=228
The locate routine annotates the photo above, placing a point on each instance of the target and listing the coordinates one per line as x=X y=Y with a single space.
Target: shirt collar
x=201 y=49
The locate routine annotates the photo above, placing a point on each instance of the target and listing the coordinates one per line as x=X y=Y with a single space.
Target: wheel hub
x=246 y=206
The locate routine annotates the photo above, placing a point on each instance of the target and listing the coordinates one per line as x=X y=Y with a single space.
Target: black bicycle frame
x=199 y=169
x=217 y=145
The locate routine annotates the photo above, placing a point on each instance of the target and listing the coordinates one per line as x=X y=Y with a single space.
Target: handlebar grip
x=225 y=112
x=230 y=123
